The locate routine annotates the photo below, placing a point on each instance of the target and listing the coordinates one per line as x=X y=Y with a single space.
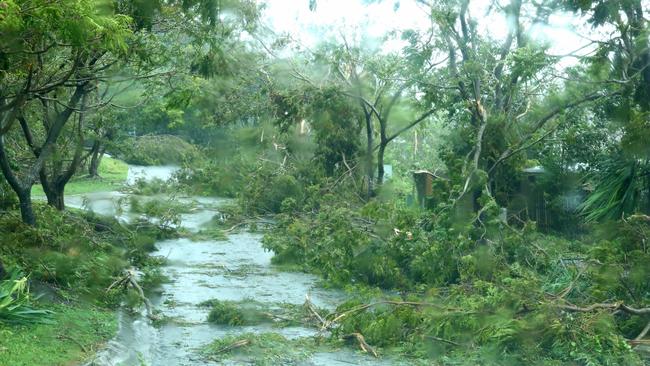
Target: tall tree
x=47 y=49
x=49 y=55
x=381 y=84
x=621 y=65
x=502 y=95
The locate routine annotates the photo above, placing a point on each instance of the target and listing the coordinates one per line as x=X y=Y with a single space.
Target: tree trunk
x=380 y=163
x=54 y=185
x=3 y=272
x=58 y=198
x=383 y=142
x=370 y=169
x=23 y=191
x=23 y=187
x=97 y=153
x=26 y=209
x=55 y=195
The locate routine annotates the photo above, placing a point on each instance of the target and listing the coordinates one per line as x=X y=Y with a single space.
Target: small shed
x=423 y=180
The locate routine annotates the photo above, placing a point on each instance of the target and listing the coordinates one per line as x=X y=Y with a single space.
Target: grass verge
x=74 y=334
x=73 y=256
x=112 y=173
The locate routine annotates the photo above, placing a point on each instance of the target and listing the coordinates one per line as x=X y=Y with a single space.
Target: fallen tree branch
x=364 y=307
x=247 y=222
x=236 y=226
x=130 y=279
x=280 y=317
x=443 y=340
x=365 y=347
x=118 y=283
x=606 y=306
x=643 y=332
x=238 y=344
x=146 y=301
x=312 y=309
x=634 y=342
x=569 y=288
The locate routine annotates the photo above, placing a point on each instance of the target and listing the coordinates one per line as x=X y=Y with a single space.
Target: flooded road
x=236 y=269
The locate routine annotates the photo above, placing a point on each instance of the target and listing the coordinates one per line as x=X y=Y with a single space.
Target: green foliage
x=488 y=322
x=335 y=243
x=228 y=313
x=265 y=349
x=333 y=117
x=16 y=304
x=250 y=312
x=168 y=210
x=75 y=23
x=211 y=233
x=485 y=288
x=8 y=198
x=158 y=150
x=223 y=178
x=621 y=188
x=271 y=188
x=79 y=253
x=269 y=195
x=336 y=129
x=153 y=187
x=160 y=215
x=383 y=326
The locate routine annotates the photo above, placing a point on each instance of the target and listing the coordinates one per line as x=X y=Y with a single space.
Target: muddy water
x=234 y=269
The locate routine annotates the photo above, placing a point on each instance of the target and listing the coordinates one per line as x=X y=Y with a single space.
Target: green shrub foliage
x=472 y=289
x=157 y=150
x=78 y=253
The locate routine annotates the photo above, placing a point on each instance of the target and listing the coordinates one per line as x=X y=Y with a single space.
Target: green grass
x=113 y=174
x=75 y=334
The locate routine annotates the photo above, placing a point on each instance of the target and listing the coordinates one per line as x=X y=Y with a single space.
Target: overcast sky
x=352 y=17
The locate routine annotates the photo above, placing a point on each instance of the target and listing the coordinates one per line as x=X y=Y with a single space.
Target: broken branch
x=606 y=306
x=365 y=347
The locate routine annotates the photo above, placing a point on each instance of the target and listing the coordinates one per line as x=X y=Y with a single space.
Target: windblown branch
x=408 y=127
x=512 y=150
x=607 y=306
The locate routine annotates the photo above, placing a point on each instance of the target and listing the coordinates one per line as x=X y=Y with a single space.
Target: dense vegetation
x=481 y=199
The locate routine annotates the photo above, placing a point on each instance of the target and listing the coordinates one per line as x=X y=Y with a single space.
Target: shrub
x=267 y=188
x=493 y=293
x=237 y=313
x=158 y=150
x=143 y=187
x=226 y=313
x=224 y=177
x=8 y=198
x=73 y=251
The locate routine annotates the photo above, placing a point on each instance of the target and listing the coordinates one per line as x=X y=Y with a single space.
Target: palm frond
x=617 y=192
x=16 y=302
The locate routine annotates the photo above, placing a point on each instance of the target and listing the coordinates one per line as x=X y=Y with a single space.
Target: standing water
x=236 y=269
